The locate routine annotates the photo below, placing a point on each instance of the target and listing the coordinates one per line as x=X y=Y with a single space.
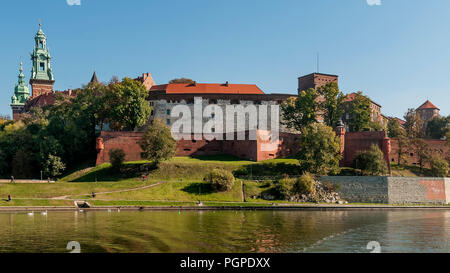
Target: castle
x=162 y=98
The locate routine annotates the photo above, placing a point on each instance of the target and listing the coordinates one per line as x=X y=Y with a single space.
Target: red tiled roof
x=427 y=105
x=207 y=88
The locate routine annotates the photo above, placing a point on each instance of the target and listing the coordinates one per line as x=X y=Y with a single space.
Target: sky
x=395 y=51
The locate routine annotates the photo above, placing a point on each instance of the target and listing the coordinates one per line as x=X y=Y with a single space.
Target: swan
x=44 y=213
x=31 y=213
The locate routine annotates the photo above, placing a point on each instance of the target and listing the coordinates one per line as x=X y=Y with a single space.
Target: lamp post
x=41 y=175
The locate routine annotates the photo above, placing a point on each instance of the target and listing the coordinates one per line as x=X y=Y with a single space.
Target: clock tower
x=41 y=74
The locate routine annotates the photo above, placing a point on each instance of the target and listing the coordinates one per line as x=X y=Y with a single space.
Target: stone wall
x=392 y=190
x=417 y=190
x=361 y=189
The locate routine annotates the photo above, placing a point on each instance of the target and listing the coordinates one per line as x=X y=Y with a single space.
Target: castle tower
x=41 y=74
x=21 y=95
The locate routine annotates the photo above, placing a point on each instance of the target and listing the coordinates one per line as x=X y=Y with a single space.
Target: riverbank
x=223 y=206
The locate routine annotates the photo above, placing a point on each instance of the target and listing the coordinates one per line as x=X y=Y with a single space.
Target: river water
x=227 y=231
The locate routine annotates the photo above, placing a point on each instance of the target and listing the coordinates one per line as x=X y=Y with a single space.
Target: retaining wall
x=392 y=190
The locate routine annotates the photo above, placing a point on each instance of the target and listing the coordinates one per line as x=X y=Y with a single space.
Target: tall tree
x=413 y=124
x=319 y=149
x=128 y=107
x=331 y=105
x=360 y=113
x=395 y=129
x=422 y=150
x=301 y=111
x=438 y=127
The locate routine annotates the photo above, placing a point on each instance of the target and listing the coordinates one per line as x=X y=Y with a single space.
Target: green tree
x=360 y=113
x=439 y=167
x=395 y=129
x=331 y=104
x=54 y=166
x=22 y=165
x=182 y=80
x=438 y=127
x=319 y=149
x=371 y=162
x=157 y=143
x=403 y=147
x=117 y=158
x=413 y=124
x=301 y=111
x=128 y=107
x=422 y=150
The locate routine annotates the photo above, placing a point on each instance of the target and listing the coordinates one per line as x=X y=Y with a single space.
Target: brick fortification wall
x=248 y=149
x=127 y=141
x=392 y=190
x=356 y=142
x=438 y=147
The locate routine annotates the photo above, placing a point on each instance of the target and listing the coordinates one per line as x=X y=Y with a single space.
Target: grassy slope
x=182 y=177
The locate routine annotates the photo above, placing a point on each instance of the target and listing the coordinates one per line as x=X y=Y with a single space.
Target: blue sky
x=398 y=53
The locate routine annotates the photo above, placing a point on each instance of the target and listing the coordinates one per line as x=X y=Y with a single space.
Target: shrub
x=305 y=184
x=221 y=180
x=330 y=187
x=371 y=162
x=117 y=157
x=439 y=167
x=157 y=143
x=285 y=186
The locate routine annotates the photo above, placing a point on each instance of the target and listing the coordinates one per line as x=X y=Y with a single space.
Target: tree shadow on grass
x=110 y=175
x=268 y=169
x=198 y=189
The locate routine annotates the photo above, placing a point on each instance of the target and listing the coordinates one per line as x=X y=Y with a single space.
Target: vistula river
x=227 y=231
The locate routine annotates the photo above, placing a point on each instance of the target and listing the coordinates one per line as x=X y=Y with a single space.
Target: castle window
x=41 y=66
x=213 y=116
x=168 y=122
x=41 y=44
x=213 y=130
x=152 y=113
x=168 y=112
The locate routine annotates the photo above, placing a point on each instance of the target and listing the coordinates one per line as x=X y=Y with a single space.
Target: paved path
x=65 y=197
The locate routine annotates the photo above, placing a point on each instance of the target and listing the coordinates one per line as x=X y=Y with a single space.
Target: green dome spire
x=21 y=91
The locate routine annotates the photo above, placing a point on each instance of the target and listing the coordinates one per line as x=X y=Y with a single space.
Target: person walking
x=12 y=179
x=9 y=198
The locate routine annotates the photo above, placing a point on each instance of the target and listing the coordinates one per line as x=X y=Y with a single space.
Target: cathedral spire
x=41 y=73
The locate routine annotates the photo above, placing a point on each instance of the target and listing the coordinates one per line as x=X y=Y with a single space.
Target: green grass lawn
x=183 y=177
x=178 y=191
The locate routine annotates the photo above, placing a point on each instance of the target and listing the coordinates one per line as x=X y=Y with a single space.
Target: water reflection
x=227 y=231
